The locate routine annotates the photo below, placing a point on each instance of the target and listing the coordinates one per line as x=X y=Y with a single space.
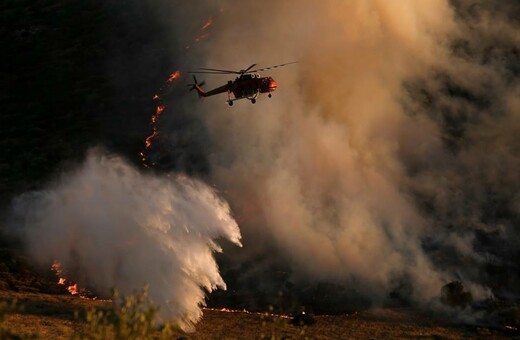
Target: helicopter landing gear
x=230 y=102
x=269 y=95
x=253 y=101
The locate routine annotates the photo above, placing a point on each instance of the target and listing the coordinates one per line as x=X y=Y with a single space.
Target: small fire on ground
x=154 y=119
x=245 y=311
x=71 y=286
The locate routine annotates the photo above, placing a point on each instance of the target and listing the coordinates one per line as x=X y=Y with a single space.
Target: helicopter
x=247 y=85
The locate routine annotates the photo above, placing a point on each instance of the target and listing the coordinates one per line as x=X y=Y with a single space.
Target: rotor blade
x=217 y=70
x=247 y=69
x=271 y=67
x=212 y=72
x=195 y=83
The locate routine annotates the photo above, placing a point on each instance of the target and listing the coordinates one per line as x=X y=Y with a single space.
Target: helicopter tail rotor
x=196 y=86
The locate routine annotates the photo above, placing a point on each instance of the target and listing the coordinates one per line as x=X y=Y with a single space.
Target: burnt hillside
x=74 y=74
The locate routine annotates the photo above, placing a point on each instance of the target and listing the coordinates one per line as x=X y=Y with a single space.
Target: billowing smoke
x=386 y=162
x=112 y=226
x=384 y=166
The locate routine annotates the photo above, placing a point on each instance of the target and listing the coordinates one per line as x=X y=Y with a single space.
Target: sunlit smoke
x=110 y=226
x=369 y=166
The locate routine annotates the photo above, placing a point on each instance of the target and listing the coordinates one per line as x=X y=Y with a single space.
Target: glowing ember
x=160 y=109
x=202 y=37
x=158 y=112
x=56 y=267
x=157 y=97
x=207 y=24
x=153 y=120
x=148 y=141
x=173 y=76
x=511 y=328
x=244 y=311
x=73 y=289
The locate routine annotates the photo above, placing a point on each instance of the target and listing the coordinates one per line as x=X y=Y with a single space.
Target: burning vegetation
x=158 y=99
x=71 y=287
x=203 y=35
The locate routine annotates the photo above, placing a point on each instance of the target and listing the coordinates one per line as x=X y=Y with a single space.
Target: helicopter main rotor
x=241 y=72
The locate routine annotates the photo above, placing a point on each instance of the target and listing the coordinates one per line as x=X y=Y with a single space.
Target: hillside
x=53 y=316
x=384 y=188
x=69 y=80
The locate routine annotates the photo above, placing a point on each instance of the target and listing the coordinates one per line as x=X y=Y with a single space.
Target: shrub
x=130 y=317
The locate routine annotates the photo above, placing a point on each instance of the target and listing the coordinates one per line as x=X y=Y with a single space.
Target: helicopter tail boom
x=198 y=87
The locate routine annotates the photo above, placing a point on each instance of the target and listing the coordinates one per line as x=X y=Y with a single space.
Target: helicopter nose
x=272 y=85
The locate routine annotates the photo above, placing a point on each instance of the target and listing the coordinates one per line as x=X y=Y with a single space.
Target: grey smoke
x=387 y=157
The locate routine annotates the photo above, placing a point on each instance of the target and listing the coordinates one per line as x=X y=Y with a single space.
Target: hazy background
x=383 y=167
x=386 y=163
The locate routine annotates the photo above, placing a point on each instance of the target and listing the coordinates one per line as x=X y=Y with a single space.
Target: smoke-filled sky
x=385 y=163
x=386 y=147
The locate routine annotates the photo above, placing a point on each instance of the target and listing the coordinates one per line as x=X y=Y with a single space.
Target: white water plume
x=112 y=226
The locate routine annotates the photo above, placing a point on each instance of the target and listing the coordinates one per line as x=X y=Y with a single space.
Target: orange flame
x=56 y=267
x=143 y=159
x=173 y=76
x=153 y=120
x=202 y=37
x=160 y=110
x=148 y=141
x=245 y=311
x=207 y=24
x=73 y=289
